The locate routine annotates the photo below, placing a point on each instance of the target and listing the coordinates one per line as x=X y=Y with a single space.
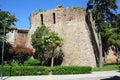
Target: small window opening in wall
x=54 y=21
x=41 y=15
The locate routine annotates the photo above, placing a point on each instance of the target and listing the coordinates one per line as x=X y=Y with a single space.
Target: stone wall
x=71 y=25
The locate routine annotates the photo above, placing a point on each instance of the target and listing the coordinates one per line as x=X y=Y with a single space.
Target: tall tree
x=50 y=43
x=114 y=39
x=102 y=11
x=105 y=34
x=36 y=39
x=6 y=20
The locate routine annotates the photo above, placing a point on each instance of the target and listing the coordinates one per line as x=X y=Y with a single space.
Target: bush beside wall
x=71 y=70
x=42 y=70
x=25 y=70
x=32 y=62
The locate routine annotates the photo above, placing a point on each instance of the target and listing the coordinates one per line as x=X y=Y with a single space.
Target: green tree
x=51 y=42
x=6 y=20
x=43 y=47
x=36 y=39
x=102 y=11
x=114 y=39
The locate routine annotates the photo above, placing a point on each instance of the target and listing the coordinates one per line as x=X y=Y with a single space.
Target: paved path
x=106 y=75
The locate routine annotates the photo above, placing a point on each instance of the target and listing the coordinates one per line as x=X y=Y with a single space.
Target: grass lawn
x=108 y=67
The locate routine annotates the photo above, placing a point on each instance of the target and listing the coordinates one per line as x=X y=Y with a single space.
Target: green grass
x=108 y=67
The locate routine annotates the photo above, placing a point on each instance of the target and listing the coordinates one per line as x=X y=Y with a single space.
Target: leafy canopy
x=37 y=36
x=44 y=40
x=47 y=45
x=6 y=20
x=51 y=41
x=115 y=32
x=102 y=11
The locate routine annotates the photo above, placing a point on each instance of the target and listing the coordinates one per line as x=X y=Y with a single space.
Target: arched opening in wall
x=54 y=20
x=41 y=15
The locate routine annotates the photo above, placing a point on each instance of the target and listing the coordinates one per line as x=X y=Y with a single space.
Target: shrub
x=111 y=64
x=14 y=63
x=25 y=70
x=21 y=53
x=42 y=70
x=108 y=67
x=71 y=69
x=31 y=62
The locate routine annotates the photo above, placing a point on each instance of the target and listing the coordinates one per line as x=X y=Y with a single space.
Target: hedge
x=25 y=70
x=32 y=62
x=71 y=70
x=42 y=70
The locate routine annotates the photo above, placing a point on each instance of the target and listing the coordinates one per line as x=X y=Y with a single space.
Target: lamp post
x=3 y=45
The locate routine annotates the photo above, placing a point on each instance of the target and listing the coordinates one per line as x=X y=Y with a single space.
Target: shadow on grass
x=112 y=78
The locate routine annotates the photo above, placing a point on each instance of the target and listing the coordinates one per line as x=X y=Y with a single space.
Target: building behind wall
x=21 y=37
x=17 y=36
x=70 y=24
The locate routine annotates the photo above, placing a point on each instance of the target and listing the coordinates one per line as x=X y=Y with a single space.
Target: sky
x=22 y=8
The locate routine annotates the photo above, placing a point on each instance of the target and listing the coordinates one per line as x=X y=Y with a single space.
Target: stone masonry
x=71 y=25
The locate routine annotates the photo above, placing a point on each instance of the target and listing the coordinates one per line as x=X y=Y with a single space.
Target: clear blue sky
x=23 y=8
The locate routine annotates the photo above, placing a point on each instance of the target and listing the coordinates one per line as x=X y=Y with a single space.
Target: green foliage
x=102 y=10
x=37 y=36
x=71 y=69
x=6 y=20
x=25 y=70
x=115 y=33
x=44 y=43
x=51 y=41
x=108 y=67
x=42 y=70
x=32 y=62
x=105 y=34
x=14 y=63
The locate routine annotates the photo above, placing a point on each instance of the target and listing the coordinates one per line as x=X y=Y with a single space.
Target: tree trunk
x=100 y=51
x=52 y=60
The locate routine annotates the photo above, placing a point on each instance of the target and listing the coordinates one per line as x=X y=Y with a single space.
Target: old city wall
x=71 y=25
